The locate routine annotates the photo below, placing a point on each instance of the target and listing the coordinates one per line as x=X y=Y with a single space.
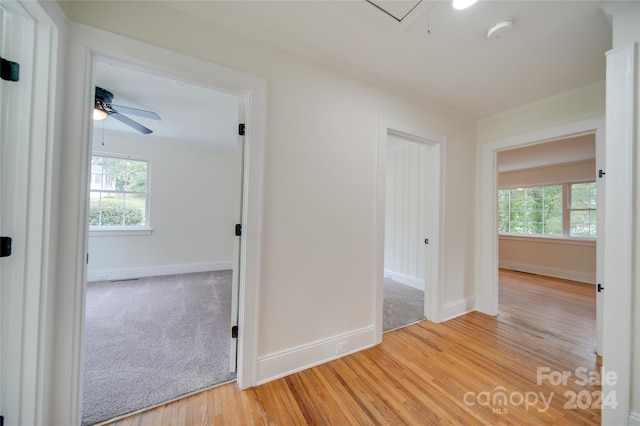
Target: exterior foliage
x=118 y=192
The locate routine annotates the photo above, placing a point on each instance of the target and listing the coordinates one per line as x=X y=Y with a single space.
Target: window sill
x=119 y=231
x=572 y=241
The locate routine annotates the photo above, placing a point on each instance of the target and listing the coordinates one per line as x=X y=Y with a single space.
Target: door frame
x=85 y=45
x=434 y=226
x=487 y=287
x=32 y=133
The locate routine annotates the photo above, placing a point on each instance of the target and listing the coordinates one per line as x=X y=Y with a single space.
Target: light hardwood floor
x=450 y=373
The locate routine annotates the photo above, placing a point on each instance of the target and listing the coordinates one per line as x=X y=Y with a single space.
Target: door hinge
x=9 y=71
x=241 y=129
x=238 y=229
x=5 y=246
x=234 y=332
x=600 y=288
x=601 y=173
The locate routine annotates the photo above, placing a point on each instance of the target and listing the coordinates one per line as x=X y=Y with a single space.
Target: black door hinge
x=234 y=332
x=601 y=173
x=600 y=288
x=9 y=71
x=238 y=229
x=5 y=246
x=241 y=129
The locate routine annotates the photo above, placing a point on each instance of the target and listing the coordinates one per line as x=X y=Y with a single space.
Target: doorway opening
x=547 y=220
x=487 y=293
x=409 y=222
x=405 y=232
x=163 y=267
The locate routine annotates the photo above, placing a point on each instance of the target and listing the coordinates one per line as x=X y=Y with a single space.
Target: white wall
x=318 y=263
x=405 y=214
x=193 y=195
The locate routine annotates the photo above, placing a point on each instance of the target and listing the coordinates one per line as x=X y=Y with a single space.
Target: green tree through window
x=118 y=194
x=530 y=211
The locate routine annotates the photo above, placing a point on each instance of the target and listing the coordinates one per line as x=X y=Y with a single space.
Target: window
x=532 y=211
x=542 y=211
x=118 y=192
x=582 y=210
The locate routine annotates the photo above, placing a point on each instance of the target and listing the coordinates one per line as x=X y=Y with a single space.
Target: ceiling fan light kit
x=500 y=28
x=103 y=108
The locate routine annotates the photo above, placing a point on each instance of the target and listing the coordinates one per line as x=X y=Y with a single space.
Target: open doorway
x=162 y=268
x=487 y=292
x=405 y=232
x=547 y=224
x=424 y=235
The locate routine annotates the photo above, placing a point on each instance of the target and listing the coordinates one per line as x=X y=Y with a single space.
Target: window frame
x=570 y=209
x=123 y=230
x=566 y=188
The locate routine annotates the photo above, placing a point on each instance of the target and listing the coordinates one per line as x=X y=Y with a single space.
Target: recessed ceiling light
x=498 y=29
x=463 y=4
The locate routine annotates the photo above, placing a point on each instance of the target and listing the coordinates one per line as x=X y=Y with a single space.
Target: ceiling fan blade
x=129 y=122
x=136 y=111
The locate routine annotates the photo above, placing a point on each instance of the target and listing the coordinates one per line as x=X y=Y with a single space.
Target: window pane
x=112 y=209
x=134 y=209
x=118 y=192
x=533 y=211
x=583 y=195
x=583 y=223
x=94 y=208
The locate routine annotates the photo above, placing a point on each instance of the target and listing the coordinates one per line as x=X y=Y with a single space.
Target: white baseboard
x=281 y=364
x=634 y=419
x=154 y=271
x=566 y=274
x=458 y=307
x=404 y=279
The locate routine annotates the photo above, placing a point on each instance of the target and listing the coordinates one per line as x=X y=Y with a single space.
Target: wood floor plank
x=474 y=369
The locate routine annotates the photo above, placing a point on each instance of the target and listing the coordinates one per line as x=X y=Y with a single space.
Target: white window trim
x=119 y=231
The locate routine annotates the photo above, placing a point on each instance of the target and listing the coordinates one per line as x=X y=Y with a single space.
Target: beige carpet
x=151 y=340
x=402 y=305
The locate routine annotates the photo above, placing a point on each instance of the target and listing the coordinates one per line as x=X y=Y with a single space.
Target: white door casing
x=434 y=228
x=85 y=44
x=619 y=231
x=29 y=37
x=487 y=288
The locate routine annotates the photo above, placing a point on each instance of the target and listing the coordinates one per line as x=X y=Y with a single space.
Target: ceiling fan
x=103 y=108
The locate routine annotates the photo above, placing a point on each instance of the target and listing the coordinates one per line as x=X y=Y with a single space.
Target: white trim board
x=156 y=271
x=281 y=364
x=565 y=274
x=458 y=308
x=404 y=279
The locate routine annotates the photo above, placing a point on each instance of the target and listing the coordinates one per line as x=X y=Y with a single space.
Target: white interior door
x=16 y=44
x=600 y=213
x=237 y=245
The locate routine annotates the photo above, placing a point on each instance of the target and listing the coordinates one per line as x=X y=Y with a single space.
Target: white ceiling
x=189 y=113
x=554 y=46
x=564 y=151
